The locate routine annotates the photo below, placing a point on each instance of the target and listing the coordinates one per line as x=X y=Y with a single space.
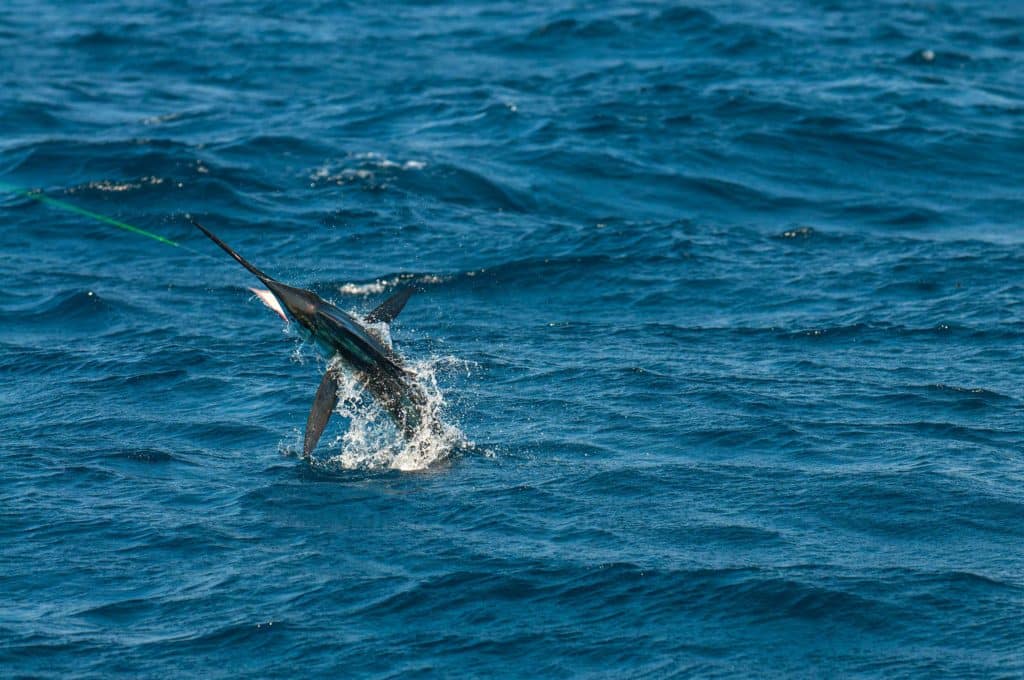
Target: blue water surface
x=724 y=298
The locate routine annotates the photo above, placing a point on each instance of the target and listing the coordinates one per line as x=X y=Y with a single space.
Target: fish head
x=299 y=304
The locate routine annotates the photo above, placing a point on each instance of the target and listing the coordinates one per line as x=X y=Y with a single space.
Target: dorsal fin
x=389 y=309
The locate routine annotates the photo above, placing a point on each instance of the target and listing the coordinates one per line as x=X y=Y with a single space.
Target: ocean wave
x=722 y=305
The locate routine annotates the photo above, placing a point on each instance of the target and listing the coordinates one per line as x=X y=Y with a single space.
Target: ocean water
x=720 y=303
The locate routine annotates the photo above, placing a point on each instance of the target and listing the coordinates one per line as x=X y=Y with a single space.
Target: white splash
x=372 y=442
x=381 y=331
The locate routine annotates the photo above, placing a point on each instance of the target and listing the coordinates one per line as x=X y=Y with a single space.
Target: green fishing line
x=42 y=198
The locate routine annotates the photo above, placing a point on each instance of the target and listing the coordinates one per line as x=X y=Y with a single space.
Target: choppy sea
x=720 y=302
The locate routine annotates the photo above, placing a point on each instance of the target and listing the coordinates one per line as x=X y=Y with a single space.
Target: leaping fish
x=343 y=337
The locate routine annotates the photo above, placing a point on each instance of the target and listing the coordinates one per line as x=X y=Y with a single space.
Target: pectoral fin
x=267 y=298
x=389 y=309
x=323 y=404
